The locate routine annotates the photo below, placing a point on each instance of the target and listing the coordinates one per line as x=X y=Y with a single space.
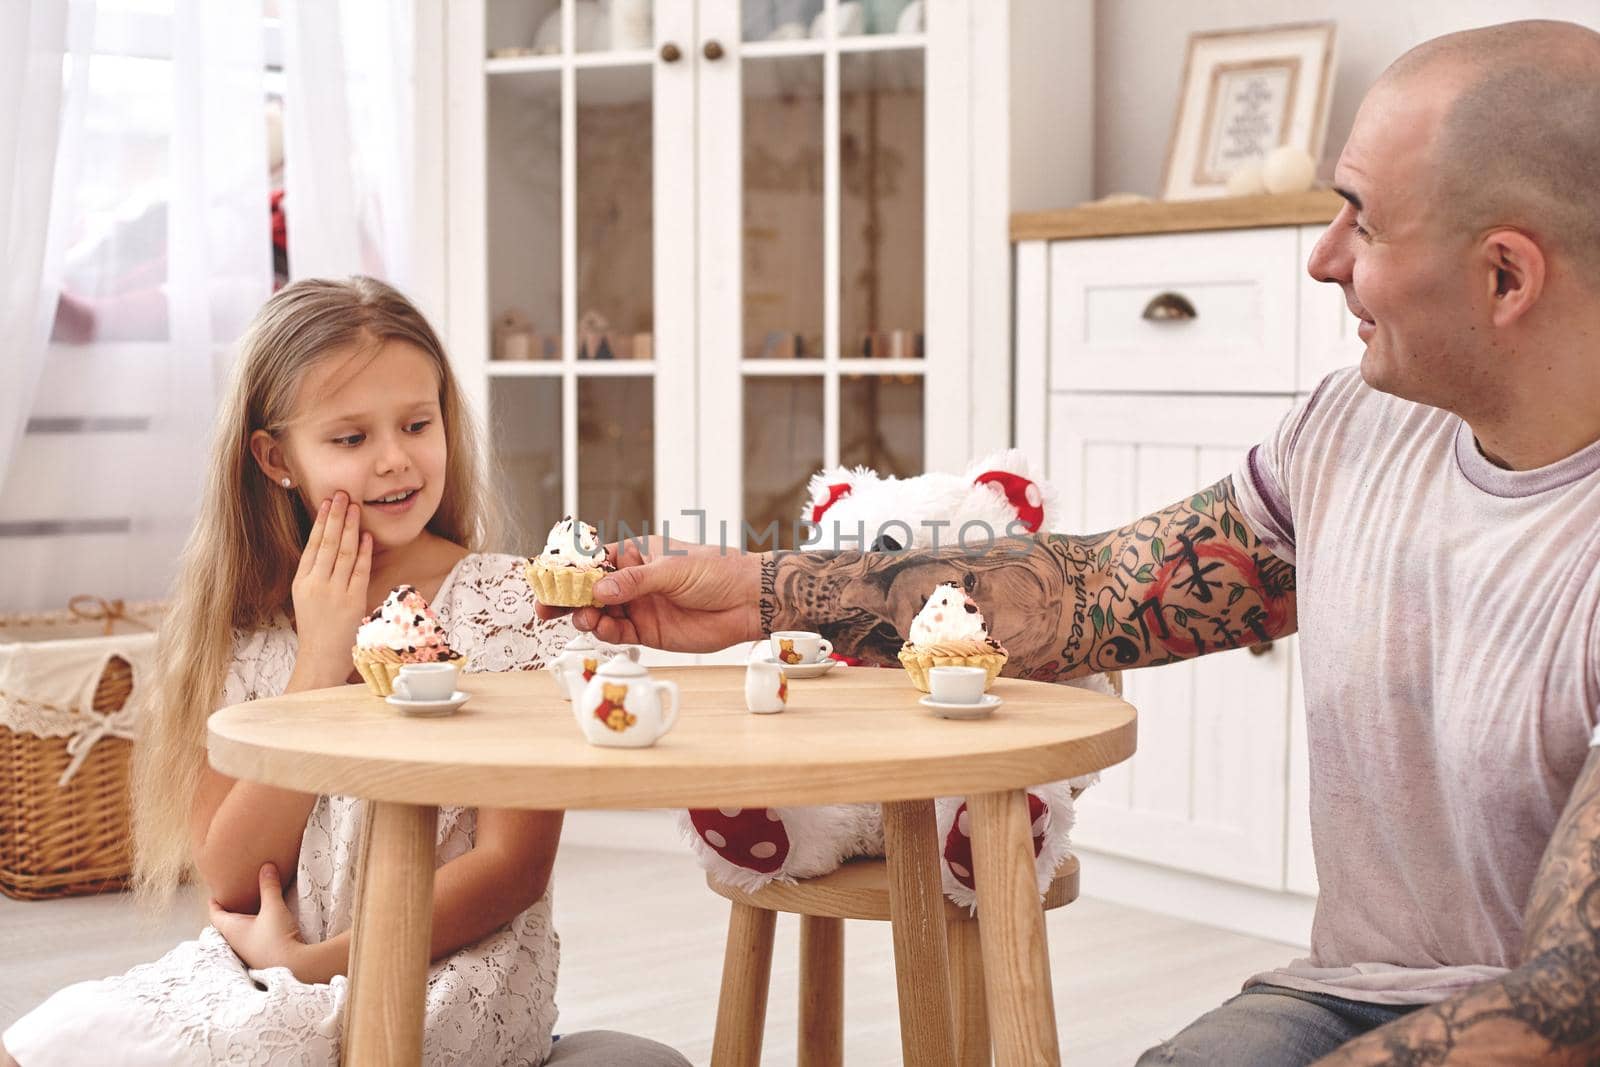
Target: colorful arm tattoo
x=1190 y=579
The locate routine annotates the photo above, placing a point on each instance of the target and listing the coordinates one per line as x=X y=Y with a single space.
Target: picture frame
x=1245 y=92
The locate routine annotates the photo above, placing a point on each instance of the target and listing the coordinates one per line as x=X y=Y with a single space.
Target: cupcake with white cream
x=573 y=560
x=950 y=631
x=403 y=630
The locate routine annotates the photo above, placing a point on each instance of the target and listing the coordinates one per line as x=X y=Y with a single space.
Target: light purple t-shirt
x=1449 y=617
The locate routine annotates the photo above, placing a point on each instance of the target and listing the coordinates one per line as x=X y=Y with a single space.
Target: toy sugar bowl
x=623 y=707
x=580 y=660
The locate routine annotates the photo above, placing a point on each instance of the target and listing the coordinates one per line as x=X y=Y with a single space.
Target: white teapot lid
x=621 y=667
x=584 y=642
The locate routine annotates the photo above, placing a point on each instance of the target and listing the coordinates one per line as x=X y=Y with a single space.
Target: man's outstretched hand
x=699 y=602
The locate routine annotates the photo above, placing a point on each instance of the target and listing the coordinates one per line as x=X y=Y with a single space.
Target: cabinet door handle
x=1169 y=307
x=1262 y=649
x=713 y=49
x=671 y=53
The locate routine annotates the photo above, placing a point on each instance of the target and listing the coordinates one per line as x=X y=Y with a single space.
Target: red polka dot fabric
x=752 y=838
x=958 y=842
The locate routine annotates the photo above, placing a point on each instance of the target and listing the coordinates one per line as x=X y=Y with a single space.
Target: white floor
x=642 y=951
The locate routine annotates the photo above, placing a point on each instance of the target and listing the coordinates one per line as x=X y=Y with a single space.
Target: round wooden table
x=853 y=735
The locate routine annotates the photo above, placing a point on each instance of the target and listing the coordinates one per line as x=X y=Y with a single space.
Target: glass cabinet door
x=814 y=244
x=573 y=362
x=688 y=251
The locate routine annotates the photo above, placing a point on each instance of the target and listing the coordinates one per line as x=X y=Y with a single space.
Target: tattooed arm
x=1546 y=1011
x=1190 y=579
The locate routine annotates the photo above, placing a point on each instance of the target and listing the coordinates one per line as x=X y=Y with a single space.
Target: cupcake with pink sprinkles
x=403 y=630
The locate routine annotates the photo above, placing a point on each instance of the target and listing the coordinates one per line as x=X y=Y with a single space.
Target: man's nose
x=1330 y=257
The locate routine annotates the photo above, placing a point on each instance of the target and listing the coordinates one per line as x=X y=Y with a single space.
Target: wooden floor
x=642 y=951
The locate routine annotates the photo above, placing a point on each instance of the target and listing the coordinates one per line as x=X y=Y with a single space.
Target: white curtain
x=348 y=180
x=164 y=252
x=33 y=41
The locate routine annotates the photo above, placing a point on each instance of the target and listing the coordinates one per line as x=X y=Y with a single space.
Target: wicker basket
x=74 y=839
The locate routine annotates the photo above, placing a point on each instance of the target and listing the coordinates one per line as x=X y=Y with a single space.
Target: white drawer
x=1241 y=284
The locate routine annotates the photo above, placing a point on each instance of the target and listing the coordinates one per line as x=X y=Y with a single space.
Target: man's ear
x=269 y=457
x=1516 y=274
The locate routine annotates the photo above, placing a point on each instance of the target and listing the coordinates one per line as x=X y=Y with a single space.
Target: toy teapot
x=623 y=707
x=580 y=660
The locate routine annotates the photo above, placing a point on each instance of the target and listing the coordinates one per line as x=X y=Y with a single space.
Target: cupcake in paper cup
x=573 y=560
x=403 y=630
x=949 y=631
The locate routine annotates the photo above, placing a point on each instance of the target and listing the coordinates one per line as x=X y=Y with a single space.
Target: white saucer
x=428 y=708
x=809 y=670
x=763 y=654
x=981 y=710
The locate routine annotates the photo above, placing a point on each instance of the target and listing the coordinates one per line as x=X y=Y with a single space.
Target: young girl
x=344 y=465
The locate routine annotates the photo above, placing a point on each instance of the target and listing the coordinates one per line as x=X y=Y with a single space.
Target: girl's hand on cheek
x=330 y=592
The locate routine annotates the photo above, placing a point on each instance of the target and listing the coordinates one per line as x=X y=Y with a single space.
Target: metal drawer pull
x=713 y=50
x=671 y=53
x=1262 y=649
x=1168 y=307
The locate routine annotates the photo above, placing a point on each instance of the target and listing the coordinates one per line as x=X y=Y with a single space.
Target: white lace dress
x=492 y=1002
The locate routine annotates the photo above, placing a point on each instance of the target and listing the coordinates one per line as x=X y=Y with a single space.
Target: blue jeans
x=1269 y=1026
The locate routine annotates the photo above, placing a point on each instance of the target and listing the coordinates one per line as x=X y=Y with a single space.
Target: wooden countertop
x=1316 y=207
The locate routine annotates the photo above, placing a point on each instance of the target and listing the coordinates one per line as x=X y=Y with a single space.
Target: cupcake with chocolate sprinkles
x=950 y=631
x=403 y=630
x=573 y=560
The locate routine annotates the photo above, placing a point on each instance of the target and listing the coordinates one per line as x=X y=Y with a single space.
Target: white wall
x=1052 y=103
x=1139 y=52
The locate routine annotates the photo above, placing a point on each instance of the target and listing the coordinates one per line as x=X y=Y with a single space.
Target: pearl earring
x=287 y=484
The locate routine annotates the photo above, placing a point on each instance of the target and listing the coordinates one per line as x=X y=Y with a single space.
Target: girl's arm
x=506 y=873
x=238 y=826
x=235 y=827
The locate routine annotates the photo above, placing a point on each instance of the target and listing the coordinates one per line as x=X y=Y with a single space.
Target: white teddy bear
x=995 y=498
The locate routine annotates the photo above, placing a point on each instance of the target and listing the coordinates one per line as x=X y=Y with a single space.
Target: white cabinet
x=1300 y=870
x=1146 y=367
x=1229 y=298
x=1206 y=789
x=698 y=249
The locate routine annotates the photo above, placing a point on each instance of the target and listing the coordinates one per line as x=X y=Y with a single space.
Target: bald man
x=1430 y=523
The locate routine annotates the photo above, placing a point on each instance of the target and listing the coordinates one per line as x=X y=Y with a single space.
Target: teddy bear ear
x=827 y=488
x=820 y=503
x=1021 y=493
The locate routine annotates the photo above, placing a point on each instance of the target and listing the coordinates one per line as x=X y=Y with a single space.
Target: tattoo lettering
x=768 y=601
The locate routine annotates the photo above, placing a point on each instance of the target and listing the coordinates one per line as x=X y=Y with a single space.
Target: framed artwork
x=1244 y=93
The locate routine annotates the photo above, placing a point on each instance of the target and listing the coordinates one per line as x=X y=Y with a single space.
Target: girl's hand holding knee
x=330 y=593
x=271 y=937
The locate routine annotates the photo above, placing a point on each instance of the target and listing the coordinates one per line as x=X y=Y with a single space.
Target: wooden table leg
x=390 y=940
x=1016 y=962
x=916 y=910
x=746 y=972
x=821 y=992
x=966 y=992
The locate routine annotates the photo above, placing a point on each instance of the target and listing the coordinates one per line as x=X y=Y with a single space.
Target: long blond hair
x=238 y=565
